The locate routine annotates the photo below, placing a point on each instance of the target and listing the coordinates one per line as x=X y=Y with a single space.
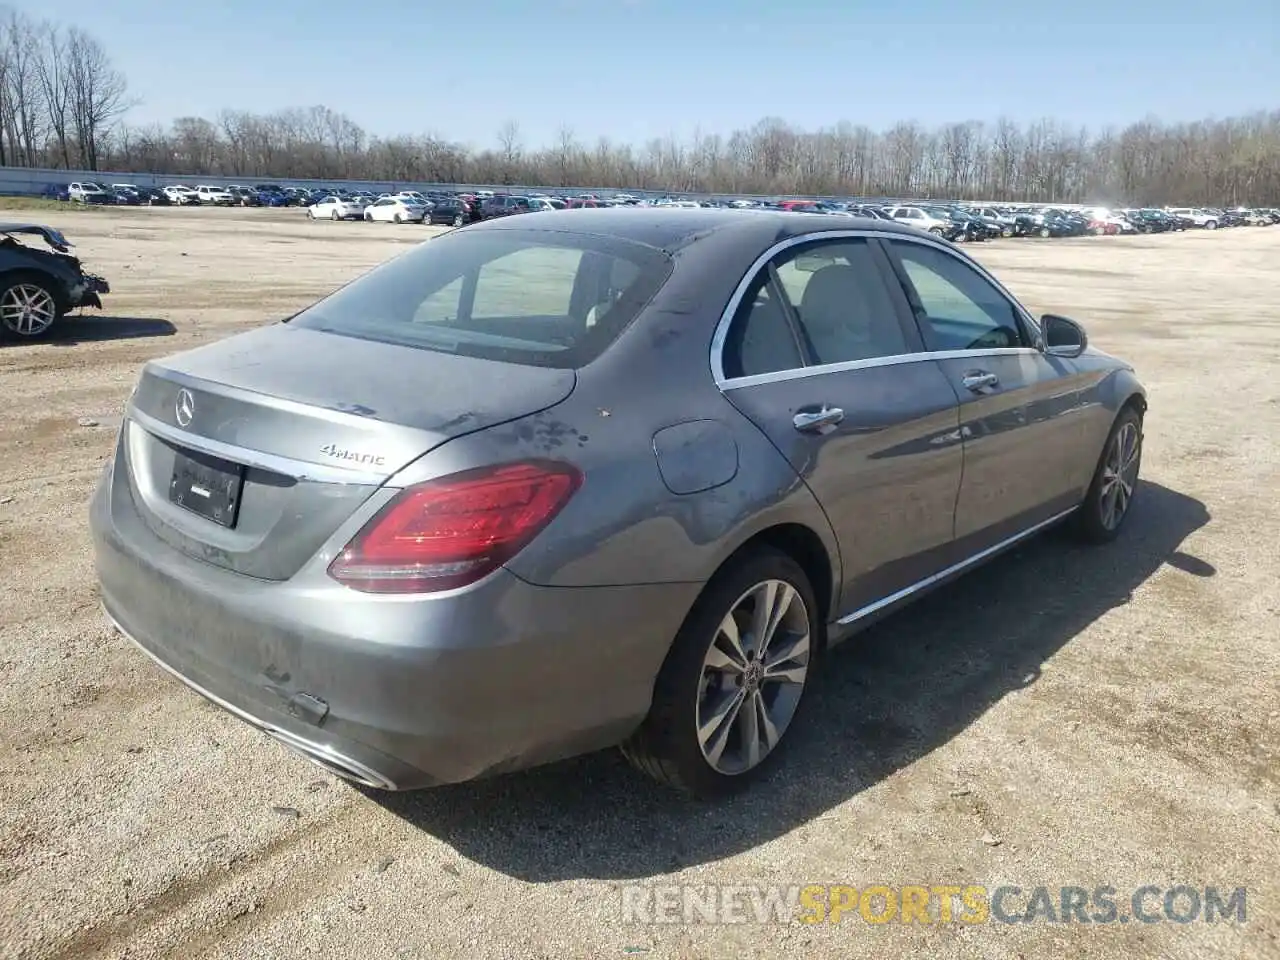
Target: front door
x=822 y=359
x=1020 y=410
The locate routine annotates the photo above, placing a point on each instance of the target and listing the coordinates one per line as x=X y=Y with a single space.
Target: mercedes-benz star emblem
x=184 y=408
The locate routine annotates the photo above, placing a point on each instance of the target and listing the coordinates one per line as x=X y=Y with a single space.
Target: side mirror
x=1062 y=337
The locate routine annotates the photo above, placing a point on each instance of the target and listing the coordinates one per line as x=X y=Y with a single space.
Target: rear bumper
x=397 y=693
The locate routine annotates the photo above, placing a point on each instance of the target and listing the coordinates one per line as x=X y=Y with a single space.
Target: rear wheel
x=457 y=221
x=333 y=215
x=936 y=231
x=399 y=218
x=368 y=217
x=734 y=679
x=29 y=306
x=1115 y=481
x=1044 y=231
x=1211 y=225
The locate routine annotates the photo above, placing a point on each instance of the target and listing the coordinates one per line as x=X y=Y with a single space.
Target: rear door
x=1020 y=410
x=828 y=364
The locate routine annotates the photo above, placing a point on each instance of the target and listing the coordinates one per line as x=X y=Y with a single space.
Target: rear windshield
x=543 y=298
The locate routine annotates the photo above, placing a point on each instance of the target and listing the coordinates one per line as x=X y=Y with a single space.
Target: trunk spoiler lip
x=274 y=463
x=332 y=413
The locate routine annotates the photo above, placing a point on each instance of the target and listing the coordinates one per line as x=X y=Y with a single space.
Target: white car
x=216 y=196
x=413 y=196
x=396 y=210
x=181 y=195
x=86 y=193
x=1197 y=216
x=918 y=218
x=336 y=208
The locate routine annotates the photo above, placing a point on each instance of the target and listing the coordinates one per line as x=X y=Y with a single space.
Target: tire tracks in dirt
x=196 y=913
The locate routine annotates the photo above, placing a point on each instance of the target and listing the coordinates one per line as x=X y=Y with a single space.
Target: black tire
x=399 y=218
x=333 y=215
x=1044 y=232
x=457 y=221
x=666 y=745
x=936 y=231
x=48 y=287
x=1089 y=522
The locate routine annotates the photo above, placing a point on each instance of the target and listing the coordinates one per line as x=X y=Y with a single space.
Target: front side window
x=545 y=299
x=957 y=308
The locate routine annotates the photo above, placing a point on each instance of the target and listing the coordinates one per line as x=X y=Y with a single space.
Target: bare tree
x=510 y=148
x=54 y=78
x=98 y=93
x=22 y=96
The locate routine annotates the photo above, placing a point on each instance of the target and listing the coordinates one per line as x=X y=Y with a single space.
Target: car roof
x=672 y=229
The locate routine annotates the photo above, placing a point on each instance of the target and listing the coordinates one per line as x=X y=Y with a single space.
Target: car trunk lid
x=273 y=438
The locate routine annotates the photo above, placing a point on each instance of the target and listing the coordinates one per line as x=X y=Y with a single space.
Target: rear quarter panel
x=625 y=526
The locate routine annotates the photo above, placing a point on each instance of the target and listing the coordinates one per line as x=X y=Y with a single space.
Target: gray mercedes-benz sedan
x=549 y=484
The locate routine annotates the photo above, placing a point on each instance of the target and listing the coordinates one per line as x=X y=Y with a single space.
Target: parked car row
x=957 y=222
x=408 y=206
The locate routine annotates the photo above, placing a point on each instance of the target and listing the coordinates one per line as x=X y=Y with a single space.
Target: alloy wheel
x=27 y=309
x=753 y=675
x=1119 y=475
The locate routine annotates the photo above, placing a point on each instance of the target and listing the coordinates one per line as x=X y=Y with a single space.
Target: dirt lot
x=1064 y=716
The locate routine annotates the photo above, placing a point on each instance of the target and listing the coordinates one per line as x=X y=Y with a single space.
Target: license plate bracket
x=207 y=486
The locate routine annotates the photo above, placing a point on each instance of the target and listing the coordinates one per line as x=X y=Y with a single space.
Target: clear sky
x=638 y=69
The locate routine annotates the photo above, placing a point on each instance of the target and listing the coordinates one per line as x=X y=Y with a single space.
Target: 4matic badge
x=354 y=457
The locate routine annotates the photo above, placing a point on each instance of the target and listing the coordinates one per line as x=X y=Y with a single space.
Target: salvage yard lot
x=1064 y=716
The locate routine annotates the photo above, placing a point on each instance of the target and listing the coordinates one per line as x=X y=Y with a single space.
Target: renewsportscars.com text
x=933 y=904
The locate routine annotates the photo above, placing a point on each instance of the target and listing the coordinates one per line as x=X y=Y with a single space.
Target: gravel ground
x=1062 y=716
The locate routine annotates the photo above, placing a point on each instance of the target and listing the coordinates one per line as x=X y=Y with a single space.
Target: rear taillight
x=450 y=532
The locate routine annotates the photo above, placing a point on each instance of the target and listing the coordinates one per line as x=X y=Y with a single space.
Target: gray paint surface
x=556 y=652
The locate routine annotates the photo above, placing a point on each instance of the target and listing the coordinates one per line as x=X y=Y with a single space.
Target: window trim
x=1029 y=332
x=779 y=293
x=721 y=333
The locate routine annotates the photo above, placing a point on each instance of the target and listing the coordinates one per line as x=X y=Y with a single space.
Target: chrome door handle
x=980 y=380
x=817 y=421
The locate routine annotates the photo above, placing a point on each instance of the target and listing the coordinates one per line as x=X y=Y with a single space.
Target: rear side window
x=829 y=304
x=522 y=296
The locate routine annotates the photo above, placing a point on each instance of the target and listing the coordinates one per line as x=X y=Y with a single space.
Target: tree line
x=63 y=104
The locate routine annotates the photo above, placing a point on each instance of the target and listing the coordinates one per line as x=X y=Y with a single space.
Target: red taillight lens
x=449 y=532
